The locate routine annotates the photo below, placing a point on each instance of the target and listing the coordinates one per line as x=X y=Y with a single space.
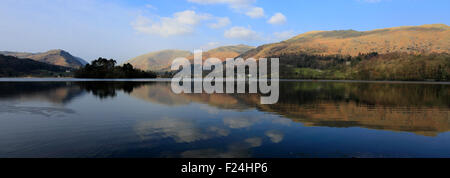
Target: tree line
x=104 y=68
x=370 y=66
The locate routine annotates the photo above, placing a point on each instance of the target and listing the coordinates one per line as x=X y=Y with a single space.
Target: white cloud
x=255 y=12
x=242 y=6
x=208 y=46
x=180 y=130
x=280 y=36
x=275 y=136
x=220 y=23
x=181 y=23
x=254 y=142
x=277 y=19
x=242 y=33
x=149 y=6
x=190 y=17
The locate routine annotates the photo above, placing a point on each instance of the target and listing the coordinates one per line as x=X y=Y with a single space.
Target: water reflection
x=418 y=108
x=54 y=92
x=108 y=89
x=145 y=119
x=181 y=130
x=422 y=109
x=44 y=111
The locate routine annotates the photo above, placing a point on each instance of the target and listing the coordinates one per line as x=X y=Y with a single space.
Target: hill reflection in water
x=422 y=109
x=146 y=119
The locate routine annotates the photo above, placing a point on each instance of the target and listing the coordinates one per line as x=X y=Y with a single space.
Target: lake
x=313 y=119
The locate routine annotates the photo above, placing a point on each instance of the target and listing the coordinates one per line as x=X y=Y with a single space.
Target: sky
x=123 y=29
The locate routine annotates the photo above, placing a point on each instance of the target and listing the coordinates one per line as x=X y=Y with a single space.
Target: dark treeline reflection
x=63 y=92
x=418 y=108
x=381 y=94
x=297 y=93
x=109 y=89
x=55 y=92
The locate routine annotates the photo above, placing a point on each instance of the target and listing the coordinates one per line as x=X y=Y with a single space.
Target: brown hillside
x=54 y=57
x=157 y=61
x=224 y=52
x=409 y=39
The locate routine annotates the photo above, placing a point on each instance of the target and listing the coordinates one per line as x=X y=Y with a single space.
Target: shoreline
x=28 y=79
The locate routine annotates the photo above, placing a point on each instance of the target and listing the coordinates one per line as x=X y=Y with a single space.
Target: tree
x=104 y=68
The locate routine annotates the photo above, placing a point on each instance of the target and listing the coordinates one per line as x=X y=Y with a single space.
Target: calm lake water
x=145 y=119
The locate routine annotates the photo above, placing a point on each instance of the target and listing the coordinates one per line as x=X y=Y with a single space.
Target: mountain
x=162 y=60
x=400 y=53
x=410 y=39
x=225 y=52
x=11 y=66
x=157 y=61
x=55 y=57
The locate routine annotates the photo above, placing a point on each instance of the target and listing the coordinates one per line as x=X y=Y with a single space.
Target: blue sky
x=122 y=29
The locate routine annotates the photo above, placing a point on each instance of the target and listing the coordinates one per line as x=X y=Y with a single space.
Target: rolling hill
x=409 y=39
x=11 y=66
x=400 y=53
x=162 y=60
x=225 y=52
x=54 y=57
x=157 y=61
